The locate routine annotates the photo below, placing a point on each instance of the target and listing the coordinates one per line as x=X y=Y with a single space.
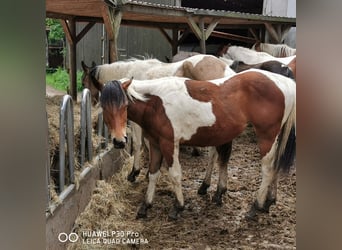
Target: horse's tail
x=286 y=144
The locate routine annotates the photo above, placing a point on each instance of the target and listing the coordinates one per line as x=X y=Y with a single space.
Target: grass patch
x=59 y=79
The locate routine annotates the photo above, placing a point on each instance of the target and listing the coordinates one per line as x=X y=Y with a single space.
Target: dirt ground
x=202 y=225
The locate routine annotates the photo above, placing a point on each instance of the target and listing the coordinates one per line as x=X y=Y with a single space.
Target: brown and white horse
x=249 y=56
x=197 y=67
x=174 y=111
x=272 y=66
x=277 y=50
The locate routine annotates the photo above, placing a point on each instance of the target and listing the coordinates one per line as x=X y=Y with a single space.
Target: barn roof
x=202 y=22
x=153 y=14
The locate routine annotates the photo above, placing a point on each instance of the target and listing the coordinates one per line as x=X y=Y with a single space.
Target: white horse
x=249 y=56
x=277 y=50
x=197 y=67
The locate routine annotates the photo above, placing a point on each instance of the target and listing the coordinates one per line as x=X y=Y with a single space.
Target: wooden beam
x=273 y=33
x=84 y=31
x=195 y=28
x=164 y=33
x=175 y=34
x=67 y=32
x=233 y=37
x=112 y=20
x=253 y=33
x=211 y=28
x=203 y=36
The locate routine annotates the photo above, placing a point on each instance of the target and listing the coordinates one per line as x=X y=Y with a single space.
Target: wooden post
x=174 y=41
x=69 y=27
x=202 y=40
x=73 y=77
x=112 y=21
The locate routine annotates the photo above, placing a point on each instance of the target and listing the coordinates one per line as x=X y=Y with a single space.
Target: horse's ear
x=93 y=64
x=84 y=66
x=126 y=84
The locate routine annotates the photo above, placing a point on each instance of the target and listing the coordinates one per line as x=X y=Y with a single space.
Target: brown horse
x=174 y=111
x=198 y=67
x=272 y=66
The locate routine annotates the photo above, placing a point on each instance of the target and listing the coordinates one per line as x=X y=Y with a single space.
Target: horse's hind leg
x=267 y=192
x=137 y=140
x=207 y=179
x=175 y=174
x=224 y=152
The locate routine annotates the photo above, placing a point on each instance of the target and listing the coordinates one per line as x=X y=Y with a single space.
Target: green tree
x=56 y=30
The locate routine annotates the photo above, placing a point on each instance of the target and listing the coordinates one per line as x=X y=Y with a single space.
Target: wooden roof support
x=277 y=32
x=201 y=32
x=112 y=21
x=253 y=32
x=69 y=27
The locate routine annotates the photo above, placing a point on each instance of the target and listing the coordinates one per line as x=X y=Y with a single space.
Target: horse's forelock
x=113 y=95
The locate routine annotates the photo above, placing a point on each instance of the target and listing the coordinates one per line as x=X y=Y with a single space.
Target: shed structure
x=181 y=21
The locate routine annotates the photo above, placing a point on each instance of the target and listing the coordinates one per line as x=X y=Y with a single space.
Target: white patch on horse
x=151 y=188
x=175 y=97
x=250 y=56
x=175 y=174
x=268 y=174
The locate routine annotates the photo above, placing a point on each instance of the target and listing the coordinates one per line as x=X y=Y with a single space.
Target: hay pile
x=109 y=210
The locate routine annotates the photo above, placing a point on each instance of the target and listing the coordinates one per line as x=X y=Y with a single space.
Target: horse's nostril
x=118 y=144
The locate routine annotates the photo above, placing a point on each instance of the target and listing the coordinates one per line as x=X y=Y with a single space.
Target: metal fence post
x=86 y=127
x=66 y=127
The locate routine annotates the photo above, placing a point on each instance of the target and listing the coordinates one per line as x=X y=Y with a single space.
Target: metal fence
x=67 y=145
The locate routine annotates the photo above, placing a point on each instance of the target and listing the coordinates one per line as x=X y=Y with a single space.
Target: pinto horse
x=272 y=66
x=250 y=56
x=198 y=67
x=277 y=50
x=174 y=111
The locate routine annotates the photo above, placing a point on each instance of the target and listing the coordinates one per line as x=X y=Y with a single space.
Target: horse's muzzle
x=119 y=144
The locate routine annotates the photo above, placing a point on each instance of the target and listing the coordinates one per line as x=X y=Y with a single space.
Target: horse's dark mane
x=112 y=95
x=94 y=75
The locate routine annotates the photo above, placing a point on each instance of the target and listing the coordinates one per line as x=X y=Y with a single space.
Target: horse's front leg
x=154 y=173
x=207 y=179
x=136 y=145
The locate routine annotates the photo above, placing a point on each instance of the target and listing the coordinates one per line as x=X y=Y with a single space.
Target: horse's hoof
x=268 y=204
x=203 y=189
x=195 y=152
x=175 y=211
x=142 y=212
x=217 y=198
x=132 y=176
x=251 y=215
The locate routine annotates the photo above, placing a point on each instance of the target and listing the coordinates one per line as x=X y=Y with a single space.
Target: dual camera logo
x=64 y=237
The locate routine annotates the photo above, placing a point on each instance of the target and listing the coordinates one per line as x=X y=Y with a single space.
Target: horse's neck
x=135 y=111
